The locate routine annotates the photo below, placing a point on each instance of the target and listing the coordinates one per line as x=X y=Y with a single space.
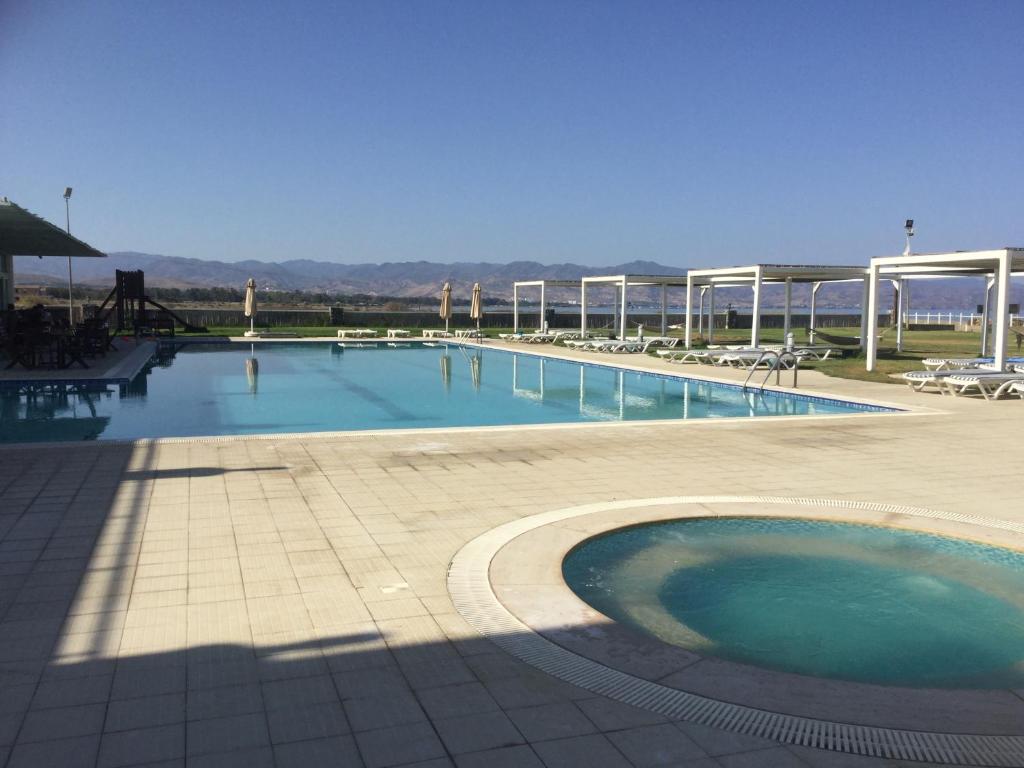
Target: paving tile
x=211 y=703
x=299 y=692
x=504 y=757
x=334 y=752
x=313 y=722
x=62 y=722
x=473 y=733
x=454 y=700
x=146 y=712
x=251 y=757
x=78 y=752
x=227 y=734
x=715 y=741
x=71 y=692
x=593 y=751
x=143 y=745
x=611 y=715
x=776 y=757
x=402 y=744
x=653 y=745
x=551 y=721
x=370 y=713
x=132 y=682
x=821 y=758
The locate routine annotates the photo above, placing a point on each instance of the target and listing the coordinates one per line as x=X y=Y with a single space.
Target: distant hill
x=423 y=279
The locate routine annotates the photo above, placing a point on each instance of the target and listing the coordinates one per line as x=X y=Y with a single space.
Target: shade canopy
x=25 y=234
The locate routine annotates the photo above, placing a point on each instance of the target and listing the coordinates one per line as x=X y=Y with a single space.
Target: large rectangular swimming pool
x=239 y=389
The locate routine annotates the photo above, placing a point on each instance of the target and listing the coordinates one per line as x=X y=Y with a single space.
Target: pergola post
x=755 y=320
x=664 y=309
x=815 y=287
x=543 y=308
x=864 y=320
x=515 y=307
x=689 y=320
x=711 y=313
x=622 y=318
x=583 y=308
x=787 y=312
x=1002 y=318
x=898 y=285
x=986 y=310
x=700 y=311
x=869 y=310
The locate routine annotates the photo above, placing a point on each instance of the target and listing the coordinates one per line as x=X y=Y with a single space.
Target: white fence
x=950 y=318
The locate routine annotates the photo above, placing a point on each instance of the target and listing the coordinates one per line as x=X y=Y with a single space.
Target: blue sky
x=689 y=133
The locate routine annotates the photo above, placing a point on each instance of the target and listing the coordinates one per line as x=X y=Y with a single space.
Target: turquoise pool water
x=851 y=602
x=217 y=389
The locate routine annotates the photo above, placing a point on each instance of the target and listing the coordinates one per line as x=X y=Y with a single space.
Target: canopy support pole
x=1002 y=319
x=543 y=309
x=622 y=319
x=788 y=309
x=689 y=318
x=869 y=312
x=700 y=311
x=898 y=285
x=864 y=320
x=583 y=309
x=711 y=313
x=815 y=287
x=664 y=309
x=515 y=308
x=986 y=311
x=755 y=320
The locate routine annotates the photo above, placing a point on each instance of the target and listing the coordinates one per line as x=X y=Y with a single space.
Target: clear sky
x=689 y=133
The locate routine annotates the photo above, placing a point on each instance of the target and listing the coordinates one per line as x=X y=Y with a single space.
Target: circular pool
x=835 y=600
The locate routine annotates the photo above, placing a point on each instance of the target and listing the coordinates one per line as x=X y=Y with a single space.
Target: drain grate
x=470 y=588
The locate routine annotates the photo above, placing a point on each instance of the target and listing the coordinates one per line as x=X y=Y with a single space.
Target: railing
x=777 y=363
x=950 y=318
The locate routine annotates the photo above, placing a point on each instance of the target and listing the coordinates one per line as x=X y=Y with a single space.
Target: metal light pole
x=67 y=214
x=905 y=284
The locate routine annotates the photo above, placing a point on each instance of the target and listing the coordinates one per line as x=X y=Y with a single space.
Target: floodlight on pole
x=67 y=220
x=909 y=228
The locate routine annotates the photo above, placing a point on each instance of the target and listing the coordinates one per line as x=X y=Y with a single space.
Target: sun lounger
x=955 y=363
x=687 y=355
x=1015 y=387
x=988 y=383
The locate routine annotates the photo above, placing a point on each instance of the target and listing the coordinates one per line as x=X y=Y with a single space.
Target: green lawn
x=916 y=345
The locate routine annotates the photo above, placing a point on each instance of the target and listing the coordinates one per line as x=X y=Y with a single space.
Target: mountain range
x=423 y=279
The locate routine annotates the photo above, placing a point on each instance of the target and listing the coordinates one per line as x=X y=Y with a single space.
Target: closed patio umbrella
x=476 y=307
x=446 y=305
x=250 y=306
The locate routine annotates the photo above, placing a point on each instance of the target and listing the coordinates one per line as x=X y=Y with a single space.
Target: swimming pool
x=836 y=600
x=238 y=389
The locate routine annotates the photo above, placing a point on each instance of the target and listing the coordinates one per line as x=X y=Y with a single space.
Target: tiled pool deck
x=283 y=601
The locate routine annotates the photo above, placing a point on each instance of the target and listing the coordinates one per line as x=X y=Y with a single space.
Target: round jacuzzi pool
x=835 y=600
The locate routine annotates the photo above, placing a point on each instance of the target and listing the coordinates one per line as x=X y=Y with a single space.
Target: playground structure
x=128 y=303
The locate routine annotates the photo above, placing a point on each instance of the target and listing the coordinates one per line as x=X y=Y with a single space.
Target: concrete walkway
x=259 y=602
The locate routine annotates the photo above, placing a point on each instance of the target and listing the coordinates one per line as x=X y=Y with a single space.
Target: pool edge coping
x=471 y=589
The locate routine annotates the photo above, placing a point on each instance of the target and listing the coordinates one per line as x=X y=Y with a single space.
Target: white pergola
x=756 y=275
x=996 y=266
x=622 y=284
x=543 y=285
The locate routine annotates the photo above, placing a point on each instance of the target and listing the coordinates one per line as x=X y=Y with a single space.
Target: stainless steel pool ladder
x=779 y=359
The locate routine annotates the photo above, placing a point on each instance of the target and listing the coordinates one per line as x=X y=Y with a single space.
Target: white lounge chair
x=988 y=383
x=1010 y=388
